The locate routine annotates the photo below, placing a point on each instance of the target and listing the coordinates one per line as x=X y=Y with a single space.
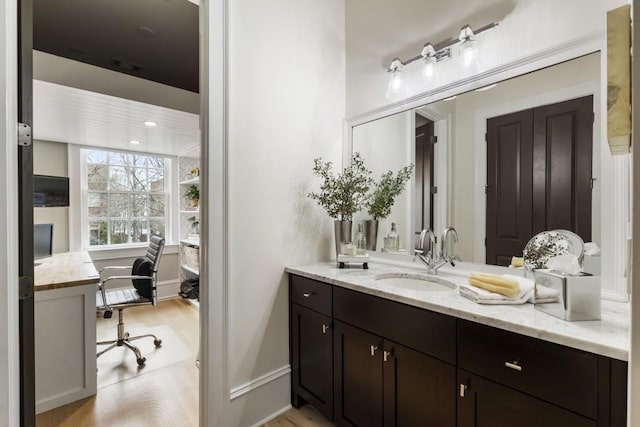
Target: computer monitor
x=42 y=240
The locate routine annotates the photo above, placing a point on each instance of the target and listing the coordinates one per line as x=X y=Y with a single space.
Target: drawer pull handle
x=386 y=354
x=463 y=388
x=373 y=350
x=325 y=328
x=308 y=294
x=513 y=365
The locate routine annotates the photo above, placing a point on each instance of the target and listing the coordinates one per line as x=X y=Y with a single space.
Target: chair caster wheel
x=107 y=314
x=142 y=361
x=157 y=343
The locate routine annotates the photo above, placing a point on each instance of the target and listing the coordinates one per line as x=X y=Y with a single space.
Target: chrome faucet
x=426 y=249
x=449 y=239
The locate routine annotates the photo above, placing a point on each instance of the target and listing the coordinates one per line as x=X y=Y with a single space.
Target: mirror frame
x=614 y=236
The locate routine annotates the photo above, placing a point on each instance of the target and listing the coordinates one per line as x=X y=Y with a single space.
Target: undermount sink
x=415 y=282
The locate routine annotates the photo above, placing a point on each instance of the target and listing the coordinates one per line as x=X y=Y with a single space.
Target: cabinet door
x=357 y=377
x=312 y=358
x=483 y=403
x=419 y=390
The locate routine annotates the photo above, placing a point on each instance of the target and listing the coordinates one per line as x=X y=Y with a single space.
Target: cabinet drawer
x=311 y=294
x=428 y=332
x=558 y=374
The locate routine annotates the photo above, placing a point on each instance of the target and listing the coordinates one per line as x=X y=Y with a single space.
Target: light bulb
x=430 y=69
x=396 y=89
x=469 y=52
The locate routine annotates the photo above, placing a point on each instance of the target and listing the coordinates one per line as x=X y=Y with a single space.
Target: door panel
x=25 y=209
x=312 y=358
x=509 y=187
x=358 y=377
x=418 y=390
x=563 y=157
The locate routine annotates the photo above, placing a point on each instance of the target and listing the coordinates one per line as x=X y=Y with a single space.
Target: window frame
x=80 y=194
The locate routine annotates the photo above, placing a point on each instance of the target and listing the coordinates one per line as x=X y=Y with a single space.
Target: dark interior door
x=509 y=185
x=562 y=159
x=425 y=140
x=539 y=170
x=25 y=208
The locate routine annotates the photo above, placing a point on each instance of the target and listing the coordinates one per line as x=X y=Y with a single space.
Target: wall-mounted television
x=42 y=240
x=50 y=191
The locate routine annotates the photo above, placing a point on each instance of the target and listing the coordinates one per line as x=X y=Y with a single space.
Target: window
x=126 y=196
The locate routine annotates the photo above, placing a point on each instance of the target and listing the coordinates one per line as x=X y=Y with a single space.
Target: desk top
x=64 y=270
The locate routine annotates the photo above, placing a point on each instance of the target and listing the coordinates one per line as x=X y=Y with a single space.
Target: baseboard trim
x=272 y=416
x=168 y=289
x=243 y=389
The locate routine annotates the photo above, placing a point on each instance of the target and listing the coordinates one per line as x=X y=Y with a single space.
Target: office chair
x=144 y=292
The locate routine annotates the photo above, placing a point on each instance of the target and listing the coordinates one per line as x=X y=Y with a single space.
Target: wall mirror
x=499 y=163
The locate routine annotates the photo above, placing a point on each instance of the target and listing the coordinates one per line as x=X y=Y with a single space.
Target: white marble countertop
x=608 y=337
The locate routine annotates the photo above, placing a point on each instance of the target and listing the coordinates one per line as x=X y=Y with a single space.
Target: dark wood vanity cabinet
x=367 y=361
x=311 y=347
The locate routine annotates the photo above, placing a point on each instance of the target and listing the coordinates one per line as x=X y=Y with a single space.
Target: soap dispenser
x=392 y=241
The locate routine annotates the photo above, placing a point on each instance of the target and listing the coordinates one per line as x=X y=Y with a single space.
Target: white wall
x=286 y=104
x=50 y=158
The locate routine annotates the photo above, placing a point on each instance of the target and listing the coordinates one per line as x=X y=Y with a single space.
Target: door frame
x=9 y=354
x=214 y=391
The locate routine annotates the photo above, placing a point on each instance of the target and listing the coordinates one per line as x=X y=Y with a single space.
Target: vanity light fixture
x=432 y=54
x=396 y=88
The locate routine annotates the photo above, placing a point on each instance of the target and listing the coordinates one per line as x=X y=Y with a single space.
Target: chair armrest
x=114 y=267
x=125 y=277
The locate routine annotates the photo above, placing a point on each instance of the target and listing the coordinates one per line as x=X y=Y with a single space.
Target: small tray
x=354 y=259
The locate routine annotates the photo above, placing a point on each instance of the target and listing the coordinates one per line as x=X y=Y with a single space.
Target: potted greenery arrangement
x=381 y=200
x=193 y=195
x=343 y=194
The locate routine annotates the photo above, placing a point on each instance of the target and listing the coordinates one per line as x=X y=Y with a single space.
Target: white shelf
x=190 y=269
x=191 y=242
x=195 y=180
x=189 y=211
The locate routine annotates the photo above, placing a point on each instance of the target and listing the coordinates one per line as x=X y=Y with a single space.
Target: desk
x=65 y=329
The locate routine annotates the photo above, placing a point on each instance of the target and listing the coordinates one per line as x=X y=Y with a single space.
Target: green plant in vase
x=381 y=200
x=193 y=195
x=342 y=194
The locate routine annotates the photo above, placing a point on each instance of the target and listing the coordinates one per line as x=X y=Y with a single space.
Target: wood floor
x=166 y=396
x=306 y=416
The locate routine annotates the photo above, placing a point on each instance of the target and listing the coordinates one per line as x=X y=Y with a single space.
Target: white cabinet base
x=65 y=345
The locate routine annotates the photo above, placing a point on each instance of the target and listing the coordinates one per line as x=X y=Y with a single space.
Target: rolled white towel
x=482 y=296
x=544 y=294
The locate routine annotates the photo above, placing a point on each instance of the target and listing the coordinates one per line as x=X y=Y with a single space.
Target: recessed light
x=482 y=89
x=150 y=124
x=134 y=142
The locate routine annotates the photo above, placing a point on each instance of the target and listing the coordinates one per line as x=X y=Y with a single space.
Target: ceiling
x=76 y=116
x=155 y=40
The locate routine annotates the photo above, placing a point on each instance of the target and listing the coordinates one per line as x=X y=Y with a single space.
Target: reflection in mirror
x=500 y=163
